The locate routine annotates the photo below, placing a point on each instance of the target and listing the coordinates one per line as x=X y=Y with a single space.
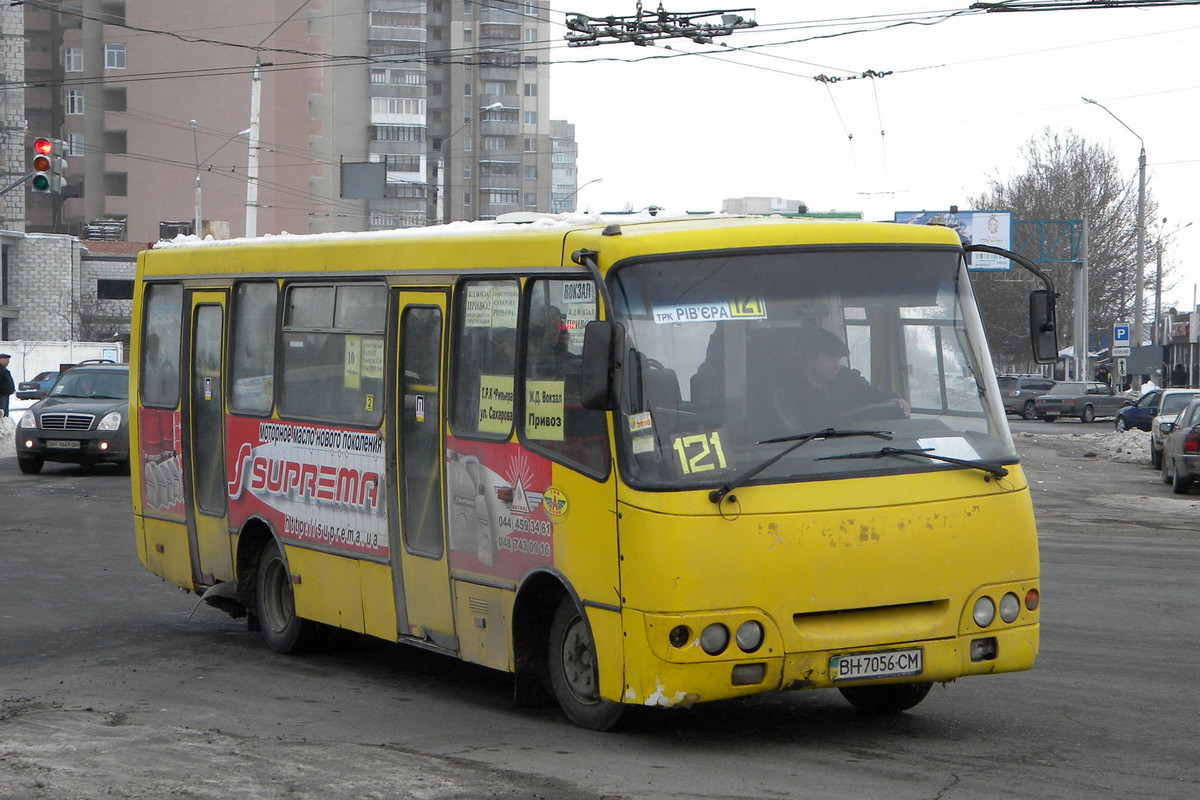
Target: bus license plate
x=880 y=664
x=63 y=444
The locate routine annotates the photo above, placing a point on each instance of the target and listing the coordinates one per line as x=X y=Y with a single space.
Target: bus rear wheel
x=574 y=676
x=283 y=631
x=891 y=698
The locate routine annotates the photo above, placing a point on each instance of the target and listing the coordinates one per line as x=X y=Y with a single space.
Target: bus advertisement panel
x=319 y=486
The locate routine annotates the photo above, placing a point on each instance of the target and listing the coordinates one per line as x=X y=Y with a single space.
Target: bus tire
x=889 y=698
x=282 y=630
x=573 y=674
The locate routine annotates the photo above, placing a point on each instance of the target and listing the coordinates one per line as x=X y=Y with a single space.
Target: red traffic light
x=43 y=147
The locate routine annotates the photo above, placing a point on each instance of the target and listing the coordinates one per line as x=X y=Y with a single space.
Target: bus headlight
x=984 y=612
x=28 y=420
x=714 y=639
x=1010 y=607
x=749 y=636
x=111 y=422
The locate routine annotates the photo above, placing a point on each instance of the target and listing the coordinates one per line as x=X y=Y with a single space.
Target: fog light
x=104 y=445
x=984 y=612
x=714 y=639
x=1010 y=607
x=28 y=443
x=748 y=674
x=983 y=649
x=1032 y=599
x=749 y=636
x=679 y=636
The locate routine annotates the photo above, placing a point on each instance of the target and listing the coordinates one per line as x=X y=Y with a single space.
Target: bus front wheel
x=283 y=631
x=891 y=698
x=573 y=672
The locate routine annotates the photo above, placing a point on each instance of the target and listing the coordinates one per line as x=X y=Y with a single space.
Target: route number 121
x=699 y=453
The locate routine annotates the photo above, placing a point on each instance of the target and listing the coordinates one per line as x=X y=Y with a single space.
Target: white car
x=1169 y=406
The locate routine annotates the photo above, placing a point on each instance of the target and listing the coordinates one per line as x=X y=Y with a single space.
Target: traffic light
x=47 y=165
x=43 y=152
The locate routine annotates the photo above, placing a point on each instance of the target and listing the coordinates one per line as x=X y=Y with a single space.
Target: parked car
x=1019 y=392
x=37 y=388
x=1181 y=447
x=1171 y=403
x=1141 y=414
x=83 y=420
x=1084 y=399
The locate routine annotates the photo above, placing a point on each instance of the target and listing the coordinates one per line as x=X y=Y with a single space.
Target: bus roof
x=545 y=240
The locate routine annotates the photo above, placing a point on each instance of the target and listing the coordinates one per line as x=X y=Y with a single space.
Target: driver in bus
x=821 y=392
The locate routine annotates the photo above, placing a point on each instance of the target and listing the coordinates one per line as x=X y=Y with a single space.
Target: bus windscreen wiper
x=798 y=440
x=924 y=452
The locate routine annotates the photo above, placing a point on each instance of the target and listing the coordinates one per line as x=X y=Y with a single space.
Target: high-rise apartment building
x=155 y=99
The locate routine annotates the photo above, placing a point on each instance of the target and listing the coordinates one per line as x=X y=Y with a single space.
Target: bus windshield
x=729 y=351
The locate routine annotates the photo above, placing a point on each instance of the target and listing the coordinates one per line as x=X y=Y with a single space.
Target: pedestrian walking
x=7 y=386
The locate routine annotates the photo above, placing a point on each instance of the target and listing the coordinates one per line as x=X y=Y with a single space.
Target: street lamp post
x=198 y=221
x=443 y=163
x=1139 y=281
x=255 y=120
x=561 y=203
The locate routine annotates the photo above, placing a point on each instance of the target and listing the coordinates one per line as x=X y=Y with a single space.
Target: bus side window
x=333 y=353
x=252 y=359
x=553 y=418
x=160 y=356
x=485 y=358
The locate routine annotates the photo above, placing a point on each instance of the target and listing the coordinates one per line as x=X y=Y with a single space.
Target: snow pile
x=7 y=428
x=1127 y=447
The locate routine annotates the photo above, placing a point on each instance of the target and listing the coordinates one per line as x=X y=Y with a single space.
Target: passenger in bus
x=819 y=391
x=549 y=336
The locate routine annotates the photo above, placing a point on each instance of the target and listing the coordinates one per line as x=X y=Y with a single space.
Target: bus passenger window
x=160 y=356
x=252 y=358
x=485 y=358
x=333 y=353
x=553 y=418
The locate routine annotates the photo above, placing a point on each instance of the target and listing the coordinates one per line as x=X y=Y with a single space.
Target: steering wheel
x=886 y=410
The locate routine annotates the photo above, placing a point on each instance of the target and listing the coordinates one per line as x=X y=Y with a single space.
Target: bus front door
x=204 y=441
x=421 y=573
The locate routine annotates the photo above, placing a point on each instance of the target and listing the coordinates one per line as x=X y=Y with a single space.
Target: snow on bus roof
x=509 y=223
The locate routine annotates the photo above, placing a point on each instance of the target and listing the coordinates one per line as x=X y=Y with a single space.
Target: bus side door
x=203 y=431
x=421 y=573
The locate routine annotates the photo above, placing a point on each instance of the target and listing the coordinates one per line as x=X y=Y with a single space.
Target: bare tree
x=1064 y=178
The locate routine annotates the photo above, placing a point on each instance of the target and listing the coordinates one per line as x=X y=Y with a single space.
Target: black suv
x=1019 y=391
x=82 y=420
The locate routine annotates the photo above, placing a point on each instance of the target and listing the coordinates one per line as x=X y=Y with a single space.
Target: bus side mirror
x=1043 y=329
x=603 y=343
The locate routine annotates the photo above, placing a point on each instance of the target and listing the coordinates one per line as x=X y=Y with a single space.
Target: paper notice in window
x=544 y=410
x=949 y=447
x=352 y=363
x=495 y=403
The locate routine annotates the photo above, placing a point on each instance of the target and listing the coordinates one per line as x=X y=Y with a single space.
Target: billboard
x=975 y=227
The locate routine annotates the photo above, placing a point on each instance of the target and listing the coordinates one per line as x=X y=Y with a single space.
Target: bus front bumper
x=653 y=681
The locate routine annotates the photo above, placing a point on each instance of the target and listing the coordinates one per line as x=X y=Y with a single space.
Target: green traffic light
x=41 y=183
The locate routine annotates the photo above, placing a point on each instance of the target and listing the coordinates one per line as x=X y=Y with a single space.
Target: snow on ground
x=1128 y=447
x=7 y=428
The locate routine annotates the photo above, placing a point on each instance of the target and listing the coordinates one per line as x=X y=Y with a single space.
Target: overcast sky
x=964 y=95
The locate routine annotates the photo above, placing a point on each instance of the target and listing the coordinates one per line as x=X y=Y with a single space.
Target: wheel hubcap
x=579 y=662
x=278 y=604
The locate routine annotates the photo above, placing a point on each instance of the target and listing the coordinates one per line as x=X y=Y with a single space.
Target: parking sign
x=1120 y=339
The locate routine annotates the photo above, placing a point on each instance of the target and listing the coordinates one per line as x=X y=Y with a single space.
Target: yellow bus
x=641 y=462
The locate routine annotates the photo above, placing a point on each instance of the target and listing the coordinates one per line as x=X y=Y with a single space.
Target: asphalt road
x=110 y=687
